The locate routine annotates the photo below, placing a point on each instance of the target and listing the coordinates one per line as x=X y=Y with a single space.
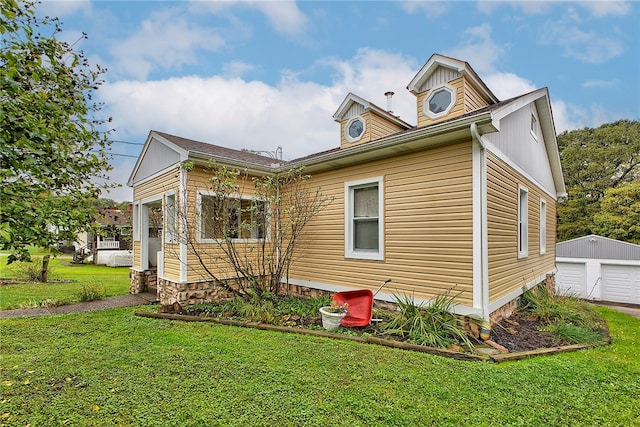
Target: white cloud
x=236 y=68
x=120 y=174
x=585 y=46
x=567 y=117
x=527 y=7
x=235 y=113
x=62 y=8
x=599 y=8
x=601 y=83
x=284 y=15
x=164 y=41
x=432 y=9
x=478 y=49
x=507 y=85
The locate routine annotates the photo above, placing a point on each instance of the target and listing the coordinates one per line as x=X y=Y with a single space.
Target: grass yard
x=113 y=368
x=114 y=281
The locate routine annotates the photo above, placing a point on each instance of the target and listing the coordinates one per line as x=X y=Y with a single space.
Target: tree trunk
x=45 y=269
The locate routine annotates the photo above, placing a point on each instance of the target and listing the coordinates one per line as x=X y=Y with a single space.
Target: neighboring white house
x=598 y=268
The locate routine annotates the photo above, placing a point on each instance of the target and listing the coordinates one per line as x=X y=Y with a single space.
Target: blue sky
x=264 y=74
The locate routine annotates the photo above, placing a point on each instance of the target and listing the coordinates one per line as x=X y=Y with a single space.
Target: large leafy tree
x=51 y=145
x=595 y=161
x=619 y=216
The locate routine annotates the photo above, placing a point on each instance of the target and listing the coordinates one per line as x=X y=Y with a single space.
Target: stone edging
x=498 y=358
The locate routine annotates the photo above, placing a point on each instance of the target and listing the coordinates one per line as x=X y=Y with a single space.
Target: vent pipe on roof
x=389 y=95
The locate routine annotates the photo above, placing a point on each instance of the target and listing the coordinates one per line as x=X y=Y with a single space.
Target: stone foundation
x=191 y=293
x=141 y=281
x=508 y=309
x=503 y=312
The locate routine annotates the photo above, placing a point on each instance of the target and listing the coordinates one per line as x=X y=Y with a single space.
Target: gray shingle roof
x=212 y=150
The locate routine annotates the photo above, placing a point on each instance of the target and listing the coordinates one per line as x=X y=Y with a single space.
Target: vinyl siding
x=458 y=108
x=210 y=253
x=381 y=127
x=472 y=99
x=153 y=189
x=157 y=186
x=507 y=272
x=427 y=221
x=376 y=127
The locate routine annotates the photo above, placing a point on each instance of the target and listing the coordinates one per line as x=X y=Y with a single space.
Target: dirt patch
x=522 y=332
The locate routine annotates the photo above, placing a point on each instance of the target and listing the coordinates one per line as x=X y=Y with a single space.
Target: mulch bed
x=521 y=332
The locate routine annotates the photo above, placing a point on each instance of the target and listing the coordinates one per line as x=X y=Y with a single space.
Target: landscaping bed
x=544 y=324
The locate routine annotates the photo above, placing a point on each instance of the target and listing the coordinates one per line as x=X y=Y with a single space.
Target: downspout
x=483 y=234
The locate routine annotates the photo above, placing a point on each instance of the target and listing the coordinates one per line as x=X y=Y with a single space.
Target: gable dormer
x=361 y=121
x=446 y=88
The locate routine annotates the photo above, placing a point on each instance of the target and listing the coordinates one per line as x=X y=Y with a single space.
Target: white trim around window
x=543 y=226
x=200 y=229
x=364 y=219
x=534 y=123
x=523 y=222
x=358 y=137
x=426 y=108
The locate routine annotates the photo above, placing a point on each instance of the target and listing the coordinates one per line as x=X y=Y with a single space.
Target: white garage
x=599 y=268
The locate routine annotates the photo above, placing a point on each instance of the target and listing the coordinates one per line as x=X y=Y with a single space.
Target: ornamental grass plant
x=571 y=319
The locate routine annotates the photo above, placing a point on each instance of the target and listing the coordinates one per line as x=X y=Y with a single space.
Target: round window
x=355 y=129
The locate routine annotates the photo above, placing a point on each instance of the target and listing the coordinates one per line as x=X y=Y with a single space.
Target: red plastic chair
x=359 y=306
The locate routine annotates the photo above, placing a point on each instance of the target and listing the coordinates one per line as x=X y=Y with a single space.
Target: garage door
x=621 y=283
x=571 y=279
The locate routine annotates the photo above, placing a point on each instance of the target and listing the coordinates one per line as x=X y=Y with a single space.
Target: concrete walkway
x=103 y=304
x=632 y=310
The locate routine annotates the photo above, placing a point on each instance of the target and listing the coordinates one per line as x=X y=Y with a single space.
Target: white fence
x=108 y=244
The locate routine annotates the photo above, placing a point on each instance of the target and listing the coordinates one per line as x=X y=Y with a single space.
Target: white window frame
x=199 y=231
x=349 y=229
x=170 y=219
x=543 y=226
x=346 y=129
x=425 y=104
x=534 y=125
x=523 y=222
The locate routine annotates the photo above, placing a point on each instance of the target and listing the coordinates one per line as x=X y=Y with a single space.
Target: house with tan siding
x=462 y=202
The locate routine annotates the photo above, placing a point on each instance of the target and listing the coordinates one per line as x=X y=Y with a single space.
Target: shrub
x=91 y=293
x=30 y=271
x=560 y=309
x=265 y=308
x=44 y=303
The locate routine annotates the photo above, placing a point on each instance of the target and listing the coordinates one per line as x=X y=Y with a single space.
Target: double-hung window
x=523 y=222
x=364 y=219
x=231 y=218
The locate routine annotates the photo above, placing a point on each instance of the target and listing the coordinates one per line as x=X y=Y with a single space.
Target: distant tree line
x=601 y=169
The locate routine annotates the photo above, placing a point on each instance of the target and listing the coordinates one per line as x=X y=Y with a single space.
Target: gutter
x=423 y=137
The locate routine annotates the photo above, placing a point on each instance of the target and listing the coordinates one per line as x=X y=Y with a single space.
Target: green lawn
x=113 y=368
x=114 y=281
